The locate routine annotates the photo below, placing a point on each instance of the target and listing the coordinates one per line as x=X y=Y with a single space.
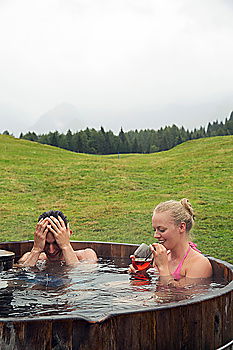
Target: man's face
x=51 y=249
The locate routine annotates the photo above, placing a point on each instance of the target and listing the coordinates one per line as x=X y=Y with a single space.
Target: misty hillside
x=63 y=117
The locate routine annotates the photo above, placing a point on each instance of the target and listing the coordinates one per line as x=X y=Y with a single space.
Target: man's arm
x=31 y=258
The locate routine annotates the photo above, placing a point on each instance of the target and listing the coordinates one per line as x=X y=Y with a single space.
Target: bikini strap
x=185 y=255
x=194 y=246
x=176 y=273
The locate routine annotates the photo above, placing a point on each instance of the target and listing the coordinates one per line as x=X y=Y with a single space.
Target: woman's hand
x=131 y=268
x=160 y=258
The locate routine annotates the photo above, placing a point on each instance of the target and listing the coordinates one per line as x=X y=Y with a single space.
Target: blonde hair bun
x=187 y=205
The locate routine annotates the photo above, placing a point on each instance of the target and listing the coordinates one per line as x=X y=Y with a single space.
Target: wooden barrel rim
x=6 y=255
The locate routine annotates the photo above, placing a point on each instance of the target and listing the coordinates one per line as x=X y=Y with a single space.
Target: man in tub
x=52 y=242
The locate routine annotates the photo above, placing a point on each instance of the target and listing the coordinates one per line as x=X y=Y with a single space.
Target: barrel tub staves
x=203 y=323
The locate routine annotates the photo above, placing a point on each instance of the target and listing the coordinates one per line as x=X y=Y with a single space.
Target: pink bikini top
x=176 y=273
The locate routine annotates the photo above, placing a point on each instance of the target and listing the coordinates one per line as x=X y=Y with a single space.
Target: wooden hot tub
x=203 y=323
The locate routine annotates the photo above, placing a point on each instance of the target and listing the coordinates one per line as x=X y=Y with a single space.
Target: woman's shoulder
x=198 y=265
x=198 y=257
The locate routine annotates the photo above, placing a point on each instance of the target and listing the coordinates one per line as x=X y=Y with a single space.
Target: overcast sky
x=131 y=63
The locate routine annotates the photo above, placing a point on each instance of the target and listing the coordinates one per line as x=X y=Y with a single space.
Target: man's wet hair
x=54 y=213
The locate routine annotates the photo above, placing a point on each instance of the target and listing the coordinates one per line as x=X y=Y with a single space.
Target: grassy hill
x=111 y=199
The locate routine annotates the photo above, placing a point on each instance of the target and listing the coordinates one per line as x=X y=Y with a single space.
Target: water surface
x=92 y=291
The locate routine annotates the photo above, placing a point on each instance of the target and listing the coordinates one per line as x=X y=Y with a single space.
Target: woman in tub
x=177 y=260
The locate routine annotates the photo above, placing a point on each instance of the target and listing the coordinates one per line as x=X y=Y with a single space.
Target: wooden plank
x=227 y=317
x=212 y=323
x=116 y=250
x=127 y=250
x=83 y=337
x=20 y=335
x=38 y=335
x=62 y=334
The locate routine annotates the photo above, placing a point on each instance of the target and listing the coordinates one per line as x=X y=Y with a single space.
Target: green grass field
x=107 y=198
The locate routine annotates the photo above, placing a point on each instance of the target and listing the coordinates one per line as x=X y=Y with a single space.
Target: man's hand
x=60 y=231
x=40 y=235
x=31 y=258
x=62 y=236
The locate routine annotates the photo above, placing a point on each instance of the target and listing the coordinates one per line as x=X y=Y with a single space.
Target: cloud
x=115 y=57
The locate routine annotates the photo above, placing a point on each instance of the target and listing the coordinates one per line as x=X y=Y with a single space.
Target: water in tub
x=89 y=290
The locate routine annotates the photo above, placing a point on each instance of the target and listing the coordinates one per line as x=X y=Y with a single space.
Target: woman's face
x=165 y=230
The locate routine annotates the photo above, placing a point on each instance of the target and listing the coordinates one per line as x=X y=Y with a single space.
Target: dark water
x=92 y=291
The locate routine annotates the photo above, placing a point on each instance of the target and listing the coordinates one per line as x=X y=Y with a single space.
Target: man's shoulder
x=24 y=257
x=86 y=254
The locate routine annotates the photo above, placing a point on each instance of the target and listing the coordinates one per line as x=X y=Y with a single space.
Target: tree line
x=142 y=141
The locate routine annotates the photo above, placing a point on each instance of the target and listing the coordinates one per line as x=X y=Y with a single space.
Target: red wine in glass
x=141 y=263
